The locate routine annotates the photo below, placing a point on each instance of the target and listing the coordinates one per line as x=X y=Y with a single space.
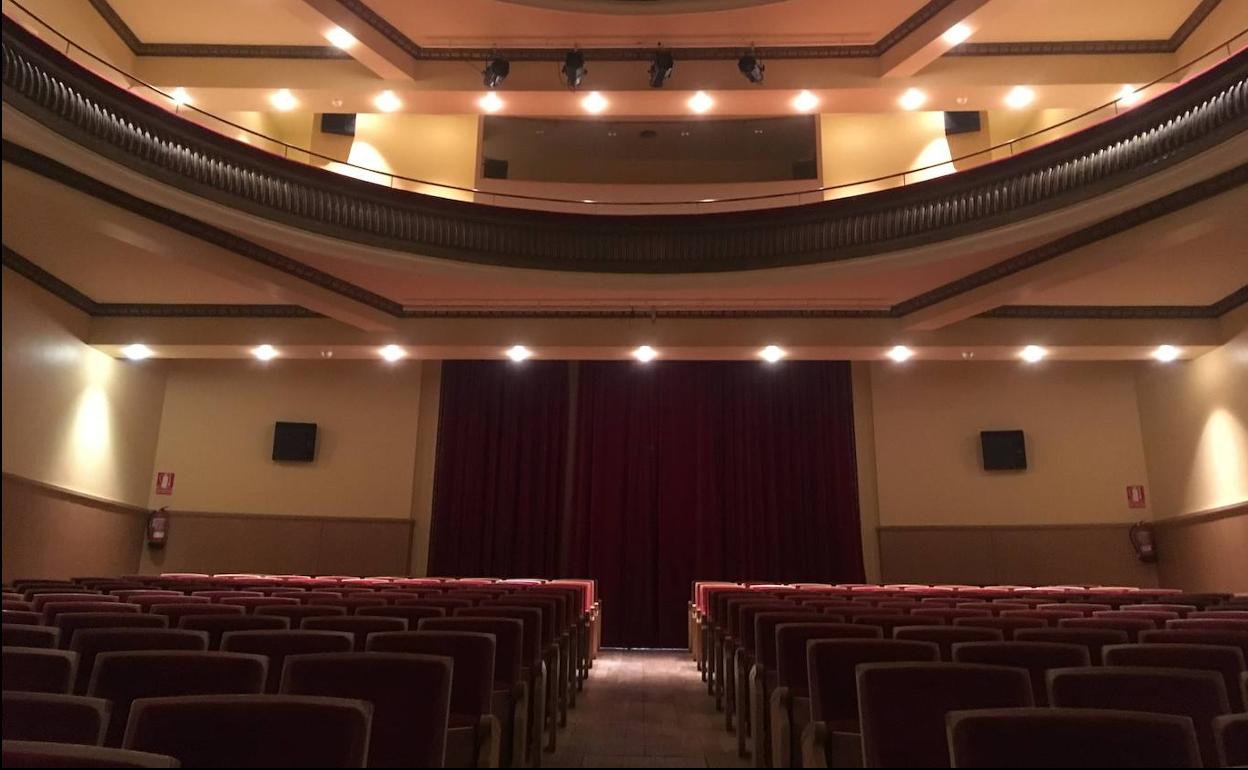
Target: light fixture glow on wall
x=340 y=38
x=772 y=353
x=264 y=352
x=137 y=352
x=645 y=354
x=1128 y=96
x=956 y=34
x=284 y=100
x=491 y=102
x=805 y=101
x=386 y=101
x=1033 y=354
x=594 y=103
x=701 y=102
x=519 y=353
x=1166 y=353
x=392 y=353
x=900 y=353
x=180 y=96
x=1019 y=97
x=912 y=99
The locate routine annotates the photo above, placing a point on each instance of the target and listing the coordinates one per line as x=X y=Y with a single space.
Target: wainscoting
x=54 y=533
x=301 y=545
x=1205 y=551
x=1025 y=555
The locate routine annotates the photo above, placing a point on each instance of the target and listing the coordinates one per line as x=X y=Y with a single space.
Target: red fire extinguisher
x=157 y=528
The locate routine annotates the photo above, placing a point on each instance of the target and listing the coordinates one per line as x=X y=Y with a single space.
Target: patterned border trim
x=209 y=50
x=1093 y=47
x=1218 y=309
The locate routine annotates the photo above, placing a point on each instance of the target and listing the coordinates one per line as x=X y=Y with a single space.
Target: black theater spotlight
x=661 y=67
x=752 y=68
x=495 y=73
x=574 y=68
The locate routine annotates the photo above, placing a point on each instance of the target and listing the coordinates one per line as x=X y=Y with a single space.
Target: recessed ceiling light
x=1033 y=354
x=912 y=99
x=956 y=34
x=137 y=352
x=1019 y=97
x=594 y=103
x=386 y=101
x=284 y=100
x=491 y=102
x=1128 y=96
x=701 y=102
x=340 y=38
x=805 y=101
x=645 y=354
x=392 y=353
x=962 y=100
x=518 y=353
x=772 y=353
x=264 y=352
x=180 y=96
x=335 y=102
x=1166 y=353
x=900 y=353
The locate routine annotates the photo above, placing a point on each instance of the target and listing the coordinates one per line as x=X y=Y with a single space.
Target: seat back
x=89 y=642
x=277 y=645
x=902 y=706
x=70 y=623
x=444 y=602
x=946 y=636
x=831 y=665
x=1091 y=638
x=410 y=694
x=42 y=716
x=1210 y=624
x=296 y=614
x=413 y=615
x=250 y=603
x=1132 y=626
x=765 y=624
x=472 y=687
x=1197 y=636
x=252 y=730
x=358 y=627
x=121 y=677
x=1007 y=626
x=531 y=617
x=1231 y=733
x=32 y=669
x=52 y=610
x=508 y=642
x=1068 y=737
x=46 y=754
x=1037 y=658
x=886 y=623
x=39 y=601
x=1227 y=661
x=1200 y=695
x=792 y=640
x=24 y=635
x=217 y=625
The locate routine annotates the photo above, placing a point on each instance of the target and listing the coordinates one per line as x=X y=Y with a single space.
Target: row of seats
x=752 y=643
x=461 y=675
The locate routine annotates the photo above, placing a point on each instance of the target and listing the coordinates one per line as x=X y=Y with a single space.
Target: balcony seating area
x=822 y=675
x=292 y=670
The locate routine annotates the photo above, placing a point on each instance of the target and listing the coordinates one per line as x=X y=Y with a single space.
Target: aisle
x=645 y=709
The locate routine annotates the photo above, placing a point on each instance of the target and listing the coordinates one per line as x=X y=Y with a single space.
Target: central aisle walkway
x=645 y=709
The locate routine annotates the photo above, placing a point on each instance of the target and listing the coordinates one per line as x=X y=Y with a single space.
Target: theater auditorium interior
x=625 y=383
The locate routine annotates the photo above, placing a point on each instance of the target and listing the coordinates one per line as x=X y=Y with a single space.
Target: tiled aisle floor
x=645 y=709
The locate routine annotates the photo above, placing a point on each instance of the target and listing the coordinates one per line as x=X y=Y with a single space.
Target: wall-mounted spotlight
x=752 y=68
x=495 y=73
x=661 y=67
x=574 y=71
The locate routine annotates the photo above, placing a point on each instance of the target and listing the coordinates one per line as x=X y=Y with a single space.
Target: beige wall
x=1194 y=417
x=1082 y=429
x=74 y=417
x=850 y=147
x=435 y=148
x=216 y=435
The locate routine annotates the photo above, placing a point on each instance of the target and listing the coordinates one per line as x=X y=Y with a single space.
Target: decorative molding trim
x=75 y=496
x=1010 y=527
x=1133 y=312
x=209 y=50
x=175 y=513
x=1203 y=517
x=1092 y=47
x=62 y=290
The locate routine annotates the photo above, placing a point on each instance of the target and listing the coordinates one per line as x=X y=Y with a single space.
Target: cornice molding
x=1218 y=309
x=209 y=50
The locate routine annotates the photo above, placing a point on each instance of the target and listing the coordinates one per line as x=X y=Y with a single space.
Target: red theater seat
x=70 y=623
x=46 y=754
x=1132 y=626
x=1226 y=660
x=31 y=716
x=358 y=626
x=410 y=695
x=253 y=730
x=1007 y=626
x=20 y=635
x=1094 y=639
x=278 y=645
x=1060 y=737
x=1231 y=734
x=946 y=636
x=217 y=625
x=22 y=617
x=40 y=601
x=413 y=615
x=1037 y=658
x=53 y=610
x=251 y=603
x=29 y=669
x=89 y=642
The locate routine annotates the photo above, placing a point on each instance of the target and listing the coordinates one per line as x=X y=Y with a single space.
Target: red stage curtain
x=709 y=470
x=499 y=474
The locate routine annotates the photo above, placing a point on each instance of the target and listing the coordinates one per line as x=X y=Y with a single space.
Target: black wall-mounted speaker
x=1003 y=450
x=340 y=123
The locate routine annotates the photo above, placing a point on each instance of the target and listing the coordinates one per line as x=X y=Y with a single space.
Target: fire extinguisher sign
x=164 y=482
x=1135 y=495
